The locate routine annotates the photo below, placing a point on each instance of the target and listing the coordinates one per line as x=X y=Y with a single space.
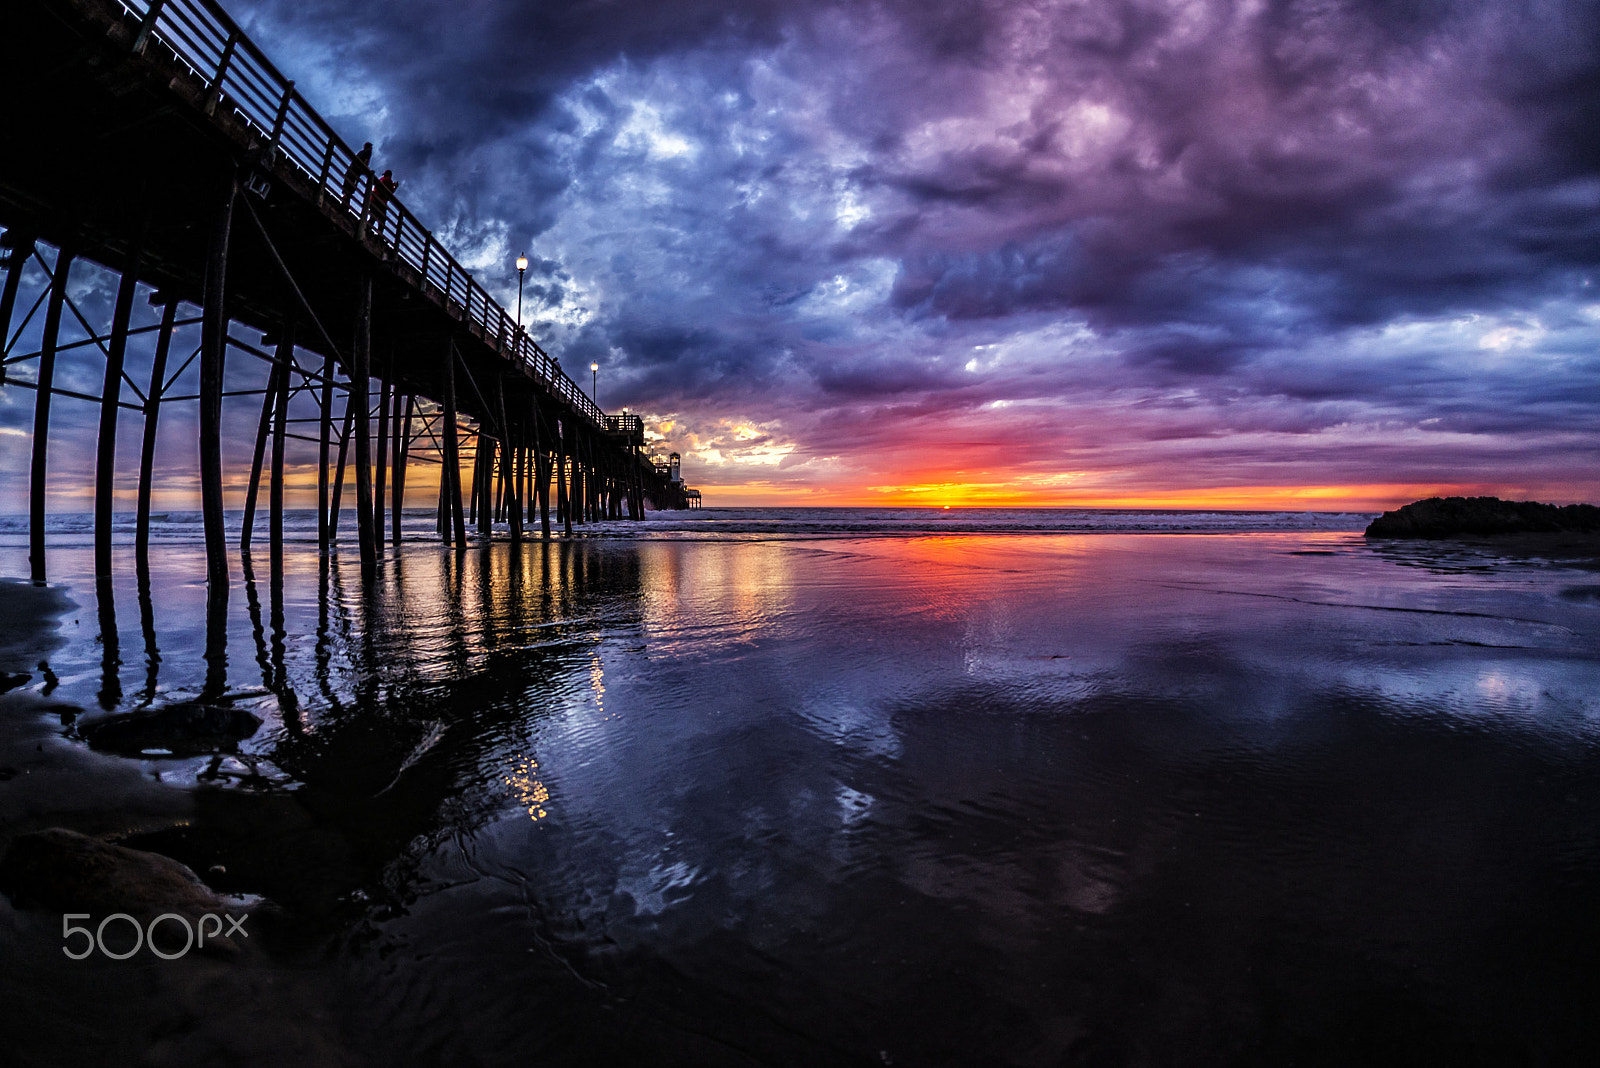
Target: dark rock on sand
x=11 y=680
x=70 y=872
x=188 y=728
x=307 y=859
x=29 y=630
x=1448 y=517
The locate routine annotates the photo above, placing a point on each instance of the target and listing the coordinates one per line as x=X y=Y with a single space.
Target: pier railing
x=240 y=79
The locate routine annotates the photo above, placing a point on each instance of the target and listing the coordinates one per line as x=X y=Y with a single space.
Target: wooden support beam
x=338 y=477
x=147 y=627
x=216 y=654
x=638 y=486
x=525 y=496
x=269 y=397
x=508 y=469
x=213 y=352
x=535 y=464
x=279 y=432
x=41 y=413
x=542 y=452
x=564 y=477
x=382 y=462
x=441 y=514
x=519 y=497
x=324 y=518
x=541 y=479
x=483 y=465
x=361 y=400
x=147 y=454
x=580 y=460
x=106 y=451
x=477 y=480
x=497 y=476
x=21 y=252
x=110 y=695
x=586 y=507
x=575 y=495
x=587 y=497
x=452 y=458
x=402 y=451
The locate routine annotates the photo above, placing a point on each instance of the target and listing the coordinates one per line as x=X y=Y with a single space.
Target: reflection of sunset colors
x=525 y=785
x=1182 y=253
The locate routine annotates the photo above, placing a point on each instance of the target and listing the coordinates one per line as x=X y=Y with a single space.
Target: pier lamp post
x=594 y=381
x=522 y=265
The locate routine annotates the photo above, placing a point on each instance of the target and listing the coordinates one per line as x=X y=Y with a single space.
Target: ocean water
x=898 y=787
x=76 y=529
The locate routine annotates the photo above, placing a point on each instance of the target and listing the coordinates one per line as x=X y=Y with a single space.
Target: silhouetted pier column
x=21 y=251
x=41 y=412
x=110 y=405
x=338 y=474
x=543 y=452
x=380 y=479
x=280 y=418
x=110 y=695
x=325 y=406
x=452 y=455
x=268 y=397
x=508 y=469
x=360 y=400
x=483 y=466
x=402 y=453
x=213 y=351
x=152 y=413
x=564 y=477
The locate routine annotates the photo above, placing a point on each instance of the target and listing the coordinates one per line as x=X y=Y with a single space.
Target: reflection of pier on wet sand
x=320 y=686
x=234 y=205
x=383 y=703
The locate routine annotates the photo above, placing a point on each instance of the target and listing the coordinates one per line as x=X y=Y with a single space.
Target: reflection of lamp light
x=522 y=265
x=594 y=382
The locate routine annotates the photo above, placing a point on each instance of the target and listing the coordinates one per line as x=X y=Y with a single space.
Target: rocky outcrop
x=1448 y=517
x=188 y=728
x=62 y=870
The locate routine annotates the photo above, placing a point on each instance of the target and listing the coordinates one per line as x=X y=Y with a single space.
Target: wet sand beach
x=736 y=796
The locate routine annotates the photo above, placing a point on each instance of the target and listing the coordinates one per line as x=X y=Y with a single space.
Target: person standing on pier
x=361 y=164
x=382 y=191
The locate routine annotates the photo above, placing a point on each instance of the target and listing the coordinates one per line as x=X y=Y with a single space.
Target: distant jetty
x=1450 y=517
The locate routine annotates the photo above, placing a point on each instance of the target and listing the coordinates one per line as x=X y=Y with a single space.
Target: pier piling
x=213 y=350
x=41 y=413
x=147 y=451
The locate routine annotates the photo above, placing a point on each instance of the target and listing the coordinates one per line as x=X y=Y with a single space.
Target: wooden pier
x=154 y=138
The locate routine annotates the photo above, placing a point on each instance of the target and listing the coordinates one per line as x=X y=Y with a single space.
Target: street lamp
x=594 y=382
x=522 y=265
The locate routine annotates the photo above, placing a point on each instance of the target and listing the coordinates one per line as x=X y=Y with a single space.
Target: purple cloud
x=1172 y=243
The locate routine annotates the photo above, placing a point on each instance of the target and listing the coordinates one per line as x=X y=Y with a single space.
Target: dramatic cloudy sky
x=1266 y=252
